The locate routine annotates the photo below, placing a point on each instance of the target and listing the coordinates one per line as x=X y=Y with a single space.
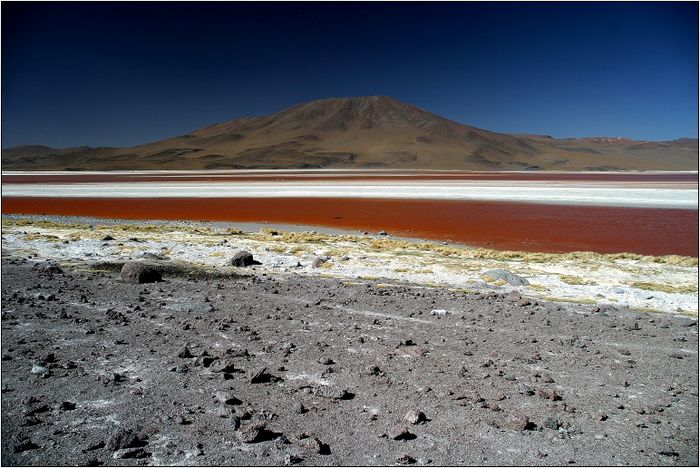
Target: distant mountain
x=362 y=132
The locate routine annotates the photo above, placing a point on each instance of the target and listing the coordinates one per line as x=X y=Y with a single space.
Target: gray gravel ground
x=262 y=370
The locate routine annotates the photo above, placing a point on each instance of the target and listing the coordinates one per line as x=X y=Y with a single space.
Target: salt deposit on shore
x=513 y=191
x=654 y=284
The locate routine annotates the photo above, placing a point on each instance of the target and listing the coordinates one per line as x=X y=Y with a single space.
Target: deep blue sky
x=129 y=73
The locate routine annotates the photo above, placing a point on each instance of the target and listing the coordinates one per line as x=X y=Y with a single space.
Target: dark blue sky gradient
x=128 y=73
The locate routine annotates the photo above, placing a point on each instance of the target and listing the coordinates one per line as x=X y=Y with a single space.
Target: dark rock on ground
x=122 y=439
x=135 y=272
x=243 y=259
x=399 y=432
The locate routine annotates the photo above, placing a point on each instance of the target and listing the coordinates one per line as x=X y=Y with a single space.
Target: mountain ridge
x=361 y=132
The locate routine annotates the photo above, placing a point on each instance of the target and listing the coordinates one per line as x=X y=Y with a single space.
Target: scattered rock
x=405 y=459
x=234 y=422
x=243 y=259
x=23 y=444
x=504 y=275
x=414 y=417
x=67 y=406
x=517 y=422
x=251 y=433
x=399 y=432
x=688 y=322
x=548 y=393
x=318 y=261
x=313 y=445
x=292 y=459
x=330 y=392
x=130 y=453
x=224 y=366
x=40 y=368
x=227 y=398
x=325 y=361
x=551 y=423
x=107 y=238
x=123 y=439
x=299 y=408
x=185 y=353
x=260 y=375
x=135 y=272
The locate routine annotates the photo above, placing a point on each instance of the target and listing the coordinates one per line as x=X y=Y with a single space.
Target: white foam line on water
x=531 y=192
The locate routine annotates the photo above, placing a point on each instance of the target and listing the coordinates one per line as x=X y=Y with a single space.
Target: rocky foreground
x=279 y=370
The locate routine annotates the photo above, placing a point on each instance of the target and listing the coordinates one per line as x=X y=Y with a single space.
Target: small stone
x=251 y=433
x=398 y=433
x=330 y=392
x=325 y=361
x=312 y=445
x=318 y=261
x=668 y=451
x=292 y=459
x=224 y=366
x=288 y=346
x=688 y=322
x=546 y=378
x=504 y=275
x=227 y=398
x=405 y=459
x=135 y=272
x=551 y=423
x=260 y=375
x=185 y=353
x=525 y=389
x=234 y=422
x=116 y=377
x=107 y=238
x=243 y=259
x=414 y=417
x=517 y=422
x=122 y=439
x=67 y=406
x=180 y=420
x=23 y=445
x=39 y=368
x=548 y=393
x=299 y=408
x=130 y=453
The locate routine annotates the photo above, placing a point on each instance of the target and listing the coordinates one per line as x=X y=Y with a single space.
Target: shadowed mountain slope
x=362 y=132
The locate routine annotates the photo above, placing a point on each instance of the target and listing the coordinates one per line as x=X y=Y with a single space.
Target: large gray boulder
x=505 y=275
x=135 y=272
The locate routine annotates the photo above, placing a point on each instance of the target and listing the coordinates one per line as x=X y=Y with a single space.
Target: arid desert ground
x=272 y=342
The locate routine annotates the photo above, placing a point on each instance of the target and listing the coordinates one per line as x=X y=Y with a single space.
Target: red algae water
x=498 y=225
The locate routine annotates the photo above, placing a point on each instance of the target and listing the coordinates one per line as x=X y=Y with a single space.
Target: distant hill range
x=362 y=132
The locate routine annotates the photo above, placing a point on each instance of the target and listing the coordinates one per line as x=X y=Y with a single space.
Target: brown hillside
x=362 y=132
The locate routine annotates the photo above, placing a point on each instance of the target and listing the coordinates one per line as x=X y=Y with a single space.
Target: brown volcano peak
x=361 y=132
